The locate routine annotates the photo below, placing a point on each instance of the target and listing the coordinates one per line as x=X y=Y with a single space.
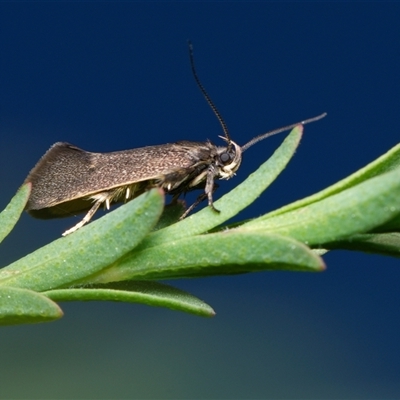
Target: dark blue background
x=112 y=76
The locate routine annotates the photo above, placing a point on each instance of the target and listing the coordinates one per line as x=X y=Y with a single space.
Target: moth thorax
x=229 y=160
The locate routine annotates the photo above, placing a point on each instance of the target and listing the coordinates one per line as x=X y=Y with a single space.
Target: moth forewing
x=68 y=180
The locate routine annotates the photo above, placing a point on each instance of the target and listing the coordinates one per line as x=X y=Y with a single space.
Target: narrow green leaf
x=236 y=200
x=10 y=215
x=387 y=244
x=22 y=306
x=386 y=163
x=150 y=293
x=87 y=250
x=222 y=253
x=355 y=210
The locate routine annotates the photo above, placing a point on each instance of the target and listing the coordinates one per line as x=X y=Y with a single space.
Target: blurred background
x=112 y=76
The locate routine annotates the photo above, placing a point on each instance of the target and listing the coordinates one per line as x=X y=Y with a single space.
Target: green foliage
x=118 y=257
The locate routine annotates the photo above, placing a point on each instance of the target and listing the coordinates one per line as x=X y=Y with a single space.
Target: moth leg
x=86 y=218
x=208 y=192
x=199 y=199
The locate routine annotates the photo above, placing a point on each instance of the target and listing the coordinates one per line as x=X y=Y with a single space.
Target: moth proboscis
x=68 y=180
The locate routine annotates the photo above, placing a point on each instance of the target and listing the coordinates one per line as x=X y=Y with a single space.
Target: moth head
x=228 y=160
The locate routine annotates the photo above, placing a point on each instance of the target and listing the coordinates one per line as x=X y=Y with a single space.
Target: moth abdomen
x=68 y=208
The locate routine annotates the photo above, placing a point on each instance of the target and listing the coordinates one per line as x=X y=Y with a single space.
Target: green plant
x=119 y=256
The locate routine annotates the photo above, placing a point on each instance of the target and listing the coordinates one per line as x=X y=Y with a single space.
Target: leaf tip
x=321 y=267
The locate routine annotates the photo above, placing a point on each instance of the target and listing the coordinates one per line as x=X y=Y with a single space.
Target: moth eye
x=225 y=158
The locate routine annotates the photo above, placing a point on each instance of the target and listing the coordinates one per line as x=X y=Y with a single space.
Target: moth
x=68 y=180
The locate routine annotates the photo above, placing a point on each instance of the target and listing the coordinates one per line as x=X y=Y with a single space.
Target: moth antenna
x=207 y=97
x=279 y=130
